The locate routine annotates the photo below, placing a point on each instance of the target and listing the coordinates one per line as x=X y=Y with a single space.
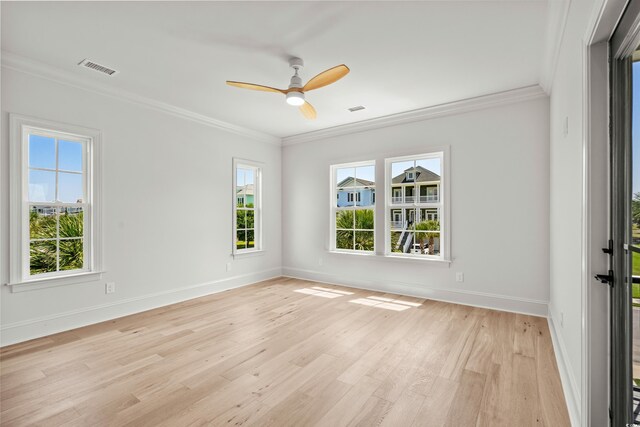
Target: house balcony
x=431 y=198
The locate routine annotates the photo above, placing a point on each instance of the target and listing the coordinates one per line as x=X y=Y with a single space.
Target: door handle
x=607 y=279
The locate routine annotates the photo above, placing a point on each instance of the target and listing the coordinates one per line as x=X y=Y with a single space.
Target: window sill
x=248 y=254
x=49 y=282
x=417 y=259
x=356 y=253
x=394 y=257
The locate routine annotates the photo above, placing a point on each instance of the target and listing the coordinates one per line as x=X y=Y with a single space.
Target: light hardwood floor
x=288 y=352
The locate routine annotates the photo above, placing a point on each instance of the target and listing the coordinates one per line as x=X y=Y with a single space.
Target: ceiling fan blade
x=308 y=111
x=255 y=87
x=327 y=77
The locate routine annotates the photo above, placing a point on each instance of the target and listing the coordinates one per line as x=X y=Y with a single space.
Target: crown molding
x=450 y=108
x=39 y=69
x=557 y=14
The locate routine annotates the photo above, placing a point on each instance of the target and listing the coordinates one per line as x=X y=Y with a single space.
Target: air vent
x=97 y=67
x=358 y=108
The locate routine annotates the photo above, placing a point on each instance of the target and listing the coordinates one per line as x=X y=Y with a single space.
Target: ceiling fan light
x=295 y=98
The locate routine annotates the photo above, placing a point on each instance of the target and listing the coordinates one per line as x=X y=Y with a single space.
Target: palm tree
x=429 y=229
x=347 y=221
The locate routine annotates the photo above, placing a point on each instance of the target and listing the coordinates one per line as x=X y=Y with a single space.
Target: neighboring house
x=355 y=192
x=412 y=193
x=49 y=210
x=244 y=195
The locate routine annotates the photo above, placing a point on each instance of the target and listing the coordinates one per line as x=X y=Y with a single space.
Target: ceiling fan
x=295 y=92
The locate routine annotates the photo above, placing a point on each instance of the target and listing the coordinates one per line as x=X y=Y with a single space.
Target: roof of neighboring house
x=355 y=182
x=422 y=175
x=244 y=189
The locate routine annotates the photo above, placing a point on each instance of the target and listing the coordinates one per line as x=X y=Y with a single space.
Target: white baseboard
x=35 y=328
x=569 y=385
x=457 y=296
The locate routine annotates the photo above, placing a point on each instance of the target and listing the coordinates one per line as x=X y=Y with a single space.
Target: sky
x=42 y=183
x=635 y=133
x=244 y=177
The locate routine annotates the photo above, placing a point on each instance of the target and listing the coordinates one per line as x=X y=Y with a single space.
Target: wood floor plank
x=270 y=355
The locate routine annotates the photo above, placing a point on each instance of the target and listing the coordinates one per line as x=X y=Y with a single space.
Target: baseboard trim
x=35 y=328
x=569 y=385
x=457 y=296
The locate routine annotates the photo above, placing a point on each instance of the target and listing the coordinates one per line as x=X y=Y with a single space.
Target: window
x=55 y=228
x=351 y=195
x=352 y=212
x=415 y=211
x=247 y=233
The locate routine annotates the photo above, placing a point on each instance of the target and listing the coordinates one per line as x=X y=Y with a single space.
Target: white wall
x=167 y=209
x=499 y=208
x=566 y=208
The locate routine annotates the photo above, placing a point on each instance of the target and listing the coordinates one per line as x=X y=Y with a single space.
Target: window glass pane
x=364 y=219
x=241 y=221
x=42 y=257
x=397 y=219
x=344 y=239
x=250 y=239
x=70 y=188
x=395 y=241
x=240 y=187
x=366 y=175
x=416 y=182
x=364 y=240
x=345 y=179
x=249 y=177
x=42 y=186
x=344 y=219
x=428 y=242
x=241 y=241
x=428 y=224
x=42 y=152
x=431 y=165
x=71 y=222
x=42 y=222
x=71 y=254
x=400 y=171
x=70 y=155
x=250 y=219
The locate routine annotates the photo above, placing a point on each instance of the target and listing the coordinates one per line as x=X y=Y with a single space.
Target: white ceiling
x=403 y=55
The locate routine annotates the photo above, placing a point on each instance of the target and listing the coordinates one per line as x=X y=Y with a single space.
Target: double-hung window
x=353 y=207
x=415 y=211
x=54 y=212
x=247 y=231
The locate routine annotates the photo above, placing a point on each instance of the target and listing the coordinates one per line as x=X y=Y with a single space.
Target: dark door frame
x=623 y=43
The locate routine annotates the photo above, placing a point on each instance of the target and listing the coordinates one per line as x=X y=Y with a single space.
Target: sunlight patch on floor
x=323 y=292
x=386 y=303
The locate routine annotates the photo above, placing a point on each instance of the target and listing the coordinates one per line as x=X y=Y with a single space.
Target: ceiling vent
x=97 y=67
x=358 y=108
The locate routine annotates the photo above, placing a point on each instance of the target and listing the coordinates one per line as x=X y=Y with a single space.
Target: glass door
x=624 y=245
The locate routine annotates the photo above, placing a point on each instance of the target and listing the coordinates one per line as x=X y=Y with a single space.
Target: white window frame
x=443 y=204
x=258 y=242
x=20 y=278
x=334 y=208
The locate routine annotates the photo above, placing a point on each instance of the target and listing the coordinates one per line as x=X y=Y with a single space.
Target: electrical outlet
x=228 y=266
x=459 y=276
x=109 y=287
